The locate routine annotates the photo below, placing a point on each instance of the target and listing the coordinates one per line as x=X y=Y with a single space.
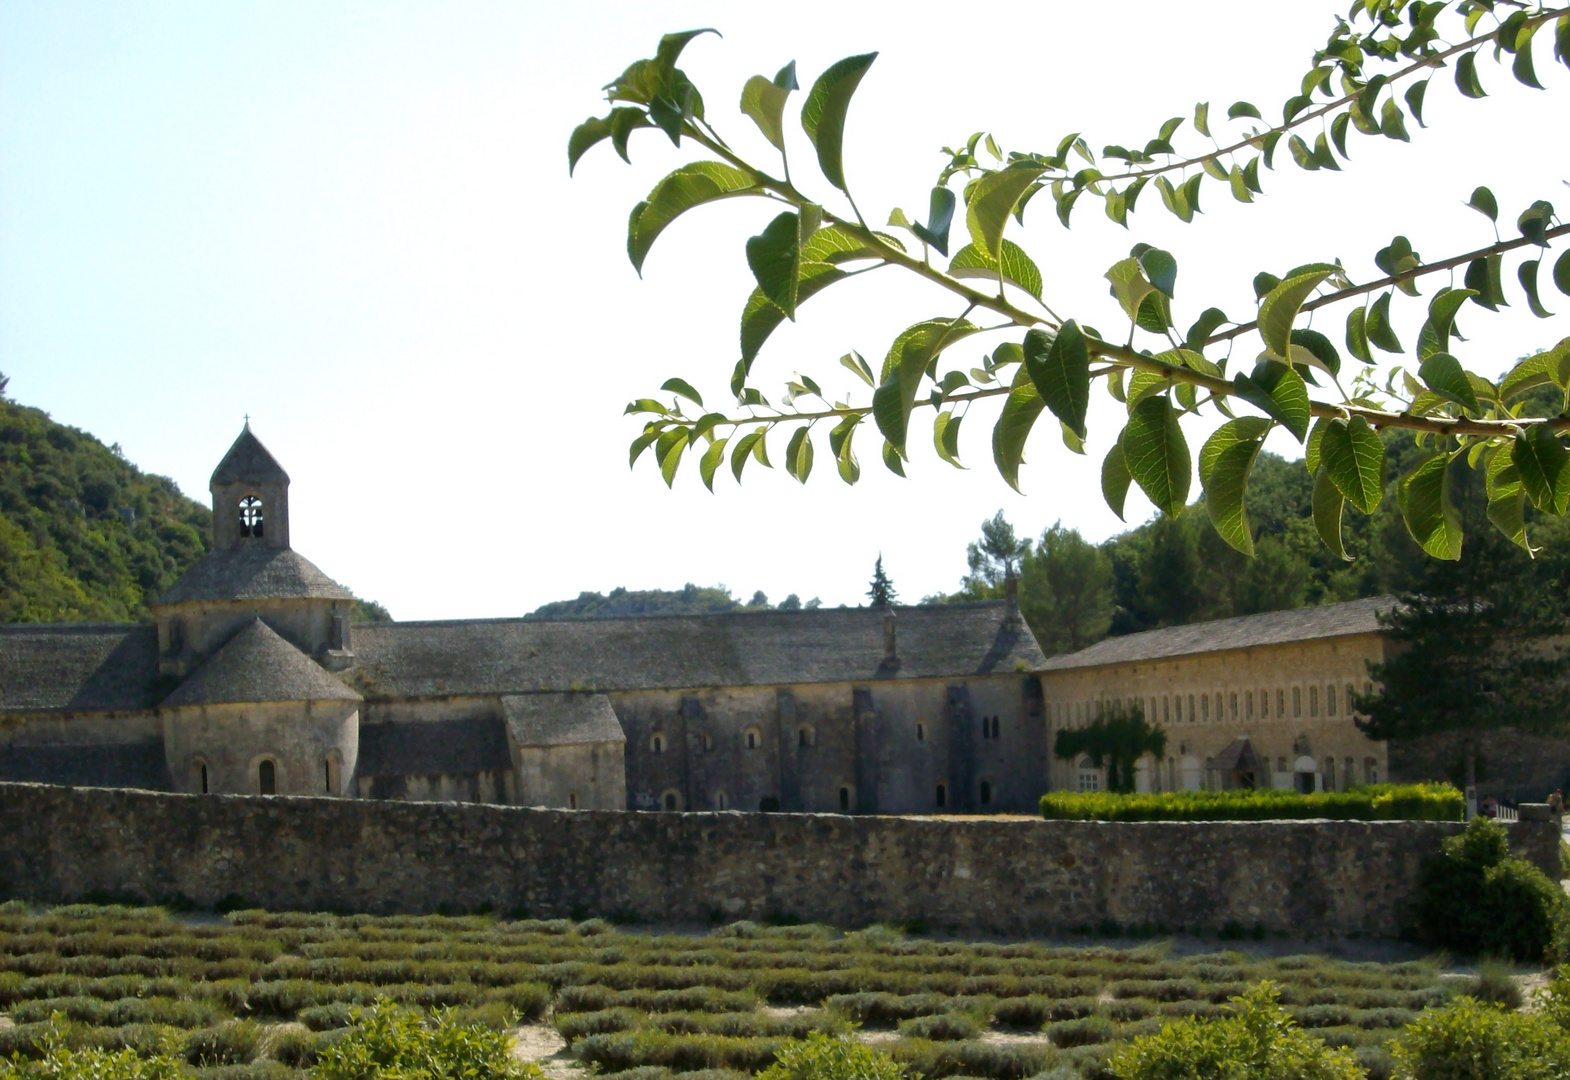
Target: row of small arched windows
x=266 y=776
x=1293 y=702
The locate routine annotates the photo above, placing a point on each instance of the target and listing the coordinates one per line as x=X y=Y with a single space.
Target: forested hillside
x=85 y=536
x=690 y=599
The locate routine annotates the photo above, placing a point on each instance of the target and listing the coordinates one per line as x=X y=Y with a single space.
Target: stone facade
x=995 y=875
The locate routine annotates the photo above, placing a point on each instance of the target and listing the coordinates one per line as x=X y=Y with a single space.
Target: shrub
x=942 y=1027
x=831 y=1057
x=1086 y=1031
x=388 y=1041
x=62 y=1063
x=628 y=1050
x=226 y=1044
x=1471 y=1040
x=1376 y=802
x=328 y=1017
x=1475 y=898
x=298 y=1049
x=1258 y=1041
x=971 y=1058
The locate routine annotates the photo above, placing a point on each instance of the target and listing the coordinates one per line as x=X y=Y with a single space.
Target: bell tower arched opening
x=251 y=518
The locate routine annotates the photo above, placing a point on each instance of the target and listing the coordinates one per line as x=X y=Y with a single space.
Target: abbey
x=253 y=680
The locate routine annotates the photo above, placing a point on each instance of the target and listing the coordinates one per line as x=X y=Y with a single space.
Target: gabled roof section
x=561 y=719
x=248 y=462
x=70 y=667
x=1248 y=631
x=257 y=665
x=770 y=648
x=253 y=572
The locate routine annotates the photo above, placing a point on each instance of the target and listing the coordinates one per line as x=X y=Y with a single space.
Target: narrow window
x=670 y=800
x=1166 y=709
x=1351 y=692
x=986 y=728
x=204 y=779
x=942 y=796
x=1232 y=705
x=803 y=737
x=572 y=800
x=1204 y=706
x=327 y=776
x=1330 y=774
x=708 y=742
x=267 y=778
x=844 y=800
x=1297 y=701
x=1248 y=703
x=1370 y=771
x=721 y=800
x=251 y=516
x=1191 y=708
x=996 y=732
x=1313 y=701
x=752 y=739
x=658 y=744
x=1330 y=700
x=986 y=793
x=921 y=731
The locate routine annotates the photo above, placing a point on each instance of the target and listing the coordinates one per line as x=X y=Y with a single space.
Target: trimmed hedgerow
x=1375 y=802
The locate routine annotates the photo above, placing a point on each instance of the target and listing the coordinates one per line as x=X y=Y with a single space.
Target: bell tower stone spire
x=250 y=496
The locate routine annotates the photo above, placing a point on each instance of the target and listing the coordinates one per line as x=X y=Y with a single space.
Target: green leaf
x=668 y=450
x=991 y=201
x=1018 y=269
x=1522 y=68
x=892 y=460
x=764 y=101
x=1279 y=392
x=1444 y=375
x=639 y=445
x=1279 y=310
x=1483 y=276
x=684 y=388
x=945 y=437
x=1060 y=368
x=1414 y=100
x=1203 y=327
x=1508 y=513
x=1338 y=128
x=1327 y=504
x=1226 y=489
x=1129 y=285
x=760 y=317
x=1427 y=508
x=1241 y=430
x=1071 y=440
x=1354 y=456
x=775 y=258
x=1357 y=335
x=1019 y=414
x=823 y=113
x=844 y=456
x=1527 y=273
x=798 y=455
x=691 y=185
x=1392 y=122
x=711 y=461
x=1562 y=273
x=909 y=358
x=1157 y=454
x=1540 y=459
x=1115 y=479
x=1202 y=118
x=1466 y=76
x=1484 y=203
x=1160 y=267
x=940 y=216
x=586 y=135
x=854 y=362
x=744 y=449
x=1239 y=184
x=1318 y=346
x=1379 y=331
x=1435 y=335
x=1534 y=371
x=1535 y=220
x=1243 y=108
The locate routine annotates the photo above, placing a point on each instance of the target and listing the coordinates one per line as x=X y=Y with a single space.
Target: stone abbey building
x=251 y=679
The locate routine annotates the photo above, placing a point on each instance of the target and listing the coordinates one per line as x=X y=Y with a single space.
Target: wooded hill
x=86 y=536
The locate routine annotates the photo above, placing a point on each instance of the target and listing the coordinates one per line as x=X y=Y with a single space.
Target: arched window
x=1297 y=701
x=708 y=742
x=986 y=793
x=1204 y=706
x=1191 y=708
x=1330 y=774
x=1313 y=701
x=805 y=736
x=721 y=800
x=671 y=800
x=572 y=800
x=1089 y=777
x=199 y=775
x=1248 y=704
x=844 y=800
x=921 y=731
x=754 y=738
x=1281 y=704
x=1232 y=705
x=251 y=516
x=941 y=796
x=267 y=777
x=657 y=743
x=1330 y=700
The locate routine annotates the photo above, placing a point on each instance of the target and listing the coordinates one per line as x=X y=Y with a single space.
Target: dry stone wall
x=1011 y=876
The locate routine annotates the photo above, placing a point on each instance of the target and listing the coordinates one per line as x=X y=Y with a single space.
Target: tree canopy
x=1370 y=76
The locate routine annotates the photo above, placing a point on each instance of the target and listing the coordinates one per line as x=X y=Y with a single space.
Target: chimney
x=890 y=644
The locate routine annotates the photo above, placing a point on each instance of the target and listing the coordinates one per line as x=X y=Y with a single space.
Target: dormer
x=250 y=497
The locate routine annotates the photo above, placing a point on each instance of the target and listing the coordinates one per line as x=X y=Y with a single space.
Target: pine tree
x=882 y=592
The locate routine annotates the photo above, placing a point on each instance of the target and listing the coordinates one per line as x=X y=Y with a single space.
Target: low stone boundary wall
x=1008 y=876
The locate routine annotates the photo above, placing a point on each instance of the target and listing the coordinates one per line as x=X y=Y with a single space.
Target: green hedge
x=1375 y=802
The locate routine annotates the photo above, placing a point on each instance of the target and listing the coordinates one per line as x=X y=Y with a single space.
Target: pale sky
x=354 y=222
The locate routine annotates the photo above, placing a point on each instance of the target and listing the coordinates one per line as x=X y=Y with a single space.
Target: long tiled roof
x=1248 y=631
x=561 y=719
x=422 y=747
x=134 y=765
x=79 y=667
x=258 y=665
x=434 y=659
x=253 y=571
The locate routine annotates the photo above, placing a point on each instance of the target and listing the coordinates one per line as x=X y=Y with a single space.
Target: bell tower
x=250 y=497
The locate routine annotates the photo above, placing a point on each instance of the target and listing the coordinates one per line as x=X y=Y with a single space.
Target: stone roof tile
x=561 y=719
x=120 y=765
x=252 y=571
x=1244 y=632
x=257 y=665
x=248 y=461
x=79 y=667
x=423 y=747
x=435 y=659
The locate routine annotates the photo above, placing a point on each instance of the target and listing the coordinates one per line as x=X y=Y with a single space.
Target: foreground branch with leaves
x=1371 y=74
